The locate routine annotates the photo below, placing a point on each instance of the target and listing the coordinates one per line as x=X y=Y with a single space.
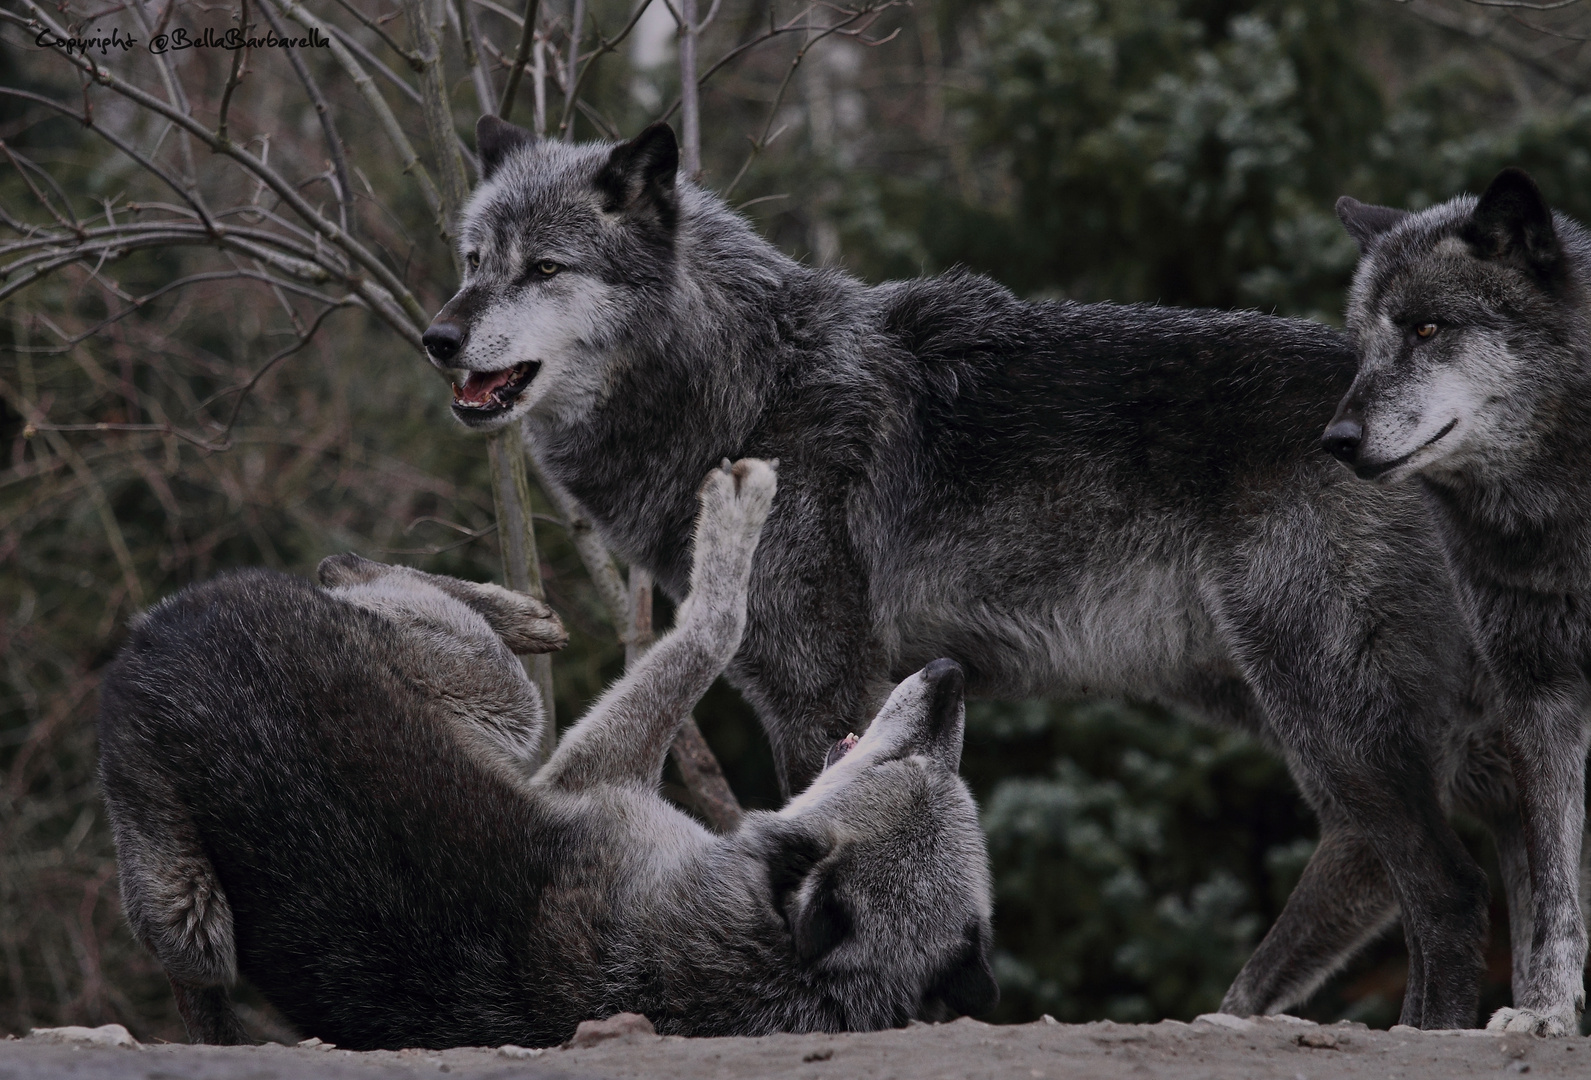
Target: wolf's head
x=1462 y=318
x=563 y=248
x=880 y=870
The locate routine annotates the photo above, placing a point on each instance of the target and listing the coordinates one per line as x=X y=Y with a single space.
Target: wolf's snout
x=443 y=339
x=949 y=684
x=1343 y=437
x=945 y=676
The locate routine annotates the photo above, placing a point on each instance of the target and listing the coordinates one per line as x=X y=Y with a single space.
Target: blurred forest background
x=172 y=405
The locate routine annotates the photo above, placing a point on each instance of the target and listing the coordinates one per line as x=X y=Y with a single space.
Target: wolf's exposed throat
x=493 y=391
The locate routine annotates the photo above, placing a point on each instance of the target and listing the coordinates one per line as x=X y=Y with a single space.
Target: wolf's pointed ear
x=1513 y=223
x=819 y=917
x=1366 y=223
x=638 y=176
x=807 y=897
x=495 y=139
x=947 y=711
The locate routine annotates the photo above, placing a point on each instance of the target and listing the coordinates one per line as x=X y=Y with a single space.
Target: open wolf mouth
x=840 y=749
x=485 y=394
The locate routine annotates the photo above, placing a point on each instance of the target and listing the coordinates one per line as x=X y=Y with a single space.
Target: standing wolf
x=1065 y=498
x=330 y=792
x=1473 y=325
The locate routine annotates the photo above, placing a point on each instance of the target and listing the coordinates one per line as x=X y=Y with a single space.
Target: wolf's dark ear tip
x=1364 y=222
x=658 y=132
x=1512 y=221
x=495 y=139
x=337 y=569
x=1515 y=177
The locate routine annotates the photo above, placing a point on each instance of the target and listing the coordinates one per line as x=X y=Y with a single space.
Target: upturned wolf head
x=879 y=867
x=1466 y=318
x=565 y=250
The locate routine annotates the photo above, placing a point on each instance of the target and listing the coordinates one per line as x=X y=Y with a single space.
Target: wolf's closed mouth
x=1370 y=472
x=493 y=391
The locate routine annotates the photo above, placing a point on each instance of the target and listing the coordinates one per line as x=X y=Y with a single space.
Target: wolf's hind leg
x=525 y=624
x=624 y=737
x=207 y=1014
x=178 y=911
x=1342 y=902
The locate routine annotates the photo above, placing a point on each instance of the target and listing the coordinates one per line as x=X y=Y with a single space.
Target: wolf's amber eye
x=547 y=268
x=473 y=260
x=1425 y=330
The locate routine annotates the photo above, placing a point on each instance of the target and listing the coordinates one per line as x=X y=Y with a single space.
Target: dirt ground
x=1219 y=1048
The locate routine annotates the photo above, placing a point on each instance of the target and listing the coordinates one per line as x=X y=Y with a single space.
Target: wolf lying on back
x=1065 y=498
x=1473 y=324
x=327 y=791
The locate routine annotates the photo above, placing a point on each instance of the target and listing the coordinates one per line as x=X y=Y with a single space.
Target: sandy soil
x=1220 y=1048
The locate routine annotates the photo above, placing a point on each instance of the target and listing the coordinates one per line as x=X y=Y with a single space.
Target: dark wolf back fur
x=389 y=913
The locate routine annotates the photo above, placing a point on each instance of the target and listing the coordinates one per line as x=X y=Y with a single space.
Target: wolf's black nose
x=443 y=339
x=1342 y=439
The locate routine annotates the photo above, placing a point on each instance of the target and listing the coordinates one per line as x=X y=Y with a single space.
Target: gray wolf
x=330 y=792
x=1065 y=498
x=1472 y=320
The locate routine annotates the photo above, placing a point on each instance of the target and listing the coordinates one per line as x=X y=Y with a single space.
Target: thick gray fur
x=329 y=791
x=1472 y=320
x=1065 y=498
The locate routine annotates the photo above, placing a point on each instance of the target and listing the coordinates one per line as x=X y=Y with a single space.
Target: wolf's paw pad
x=736 y=498
x=1525 y=1022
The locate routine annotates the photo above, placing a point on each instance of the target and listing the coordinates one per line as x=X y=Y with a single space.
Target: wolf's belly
x=1137 y=629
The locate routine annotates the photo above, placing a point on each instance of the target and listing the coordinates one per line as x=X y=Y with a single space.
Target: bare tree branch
x=527 y=34
x=604 y=46
x=867 y=16
x=410 y=161
x=334 y=143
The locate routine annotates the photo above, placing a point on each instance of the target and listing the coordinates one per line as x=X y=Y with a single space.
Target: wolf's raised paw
x=1526 y=1022
x=735 y=499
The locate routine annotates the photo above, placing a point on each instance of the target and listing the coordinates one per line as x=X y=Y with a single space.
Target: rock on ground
x=1211 y=1048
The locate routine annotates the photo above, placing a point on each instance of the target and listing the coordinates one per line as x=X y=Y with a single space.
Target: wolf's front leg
x=625 y=736
x=1547 y=746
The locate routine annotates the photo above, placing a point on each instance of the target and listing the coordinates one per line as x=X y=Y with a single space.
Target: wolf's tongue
x=478 y=386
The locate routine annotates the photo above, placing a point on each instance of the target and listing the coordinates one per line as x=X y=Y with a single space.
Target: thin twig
x=409 y=160
x=605 y=46
x=470 y=36
x=397 y=291
x=527 y=34
x=793 y=26
x=438 y=115
x=761 y=143
x=371 y=24
x=328 y=127
x=236 y=76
